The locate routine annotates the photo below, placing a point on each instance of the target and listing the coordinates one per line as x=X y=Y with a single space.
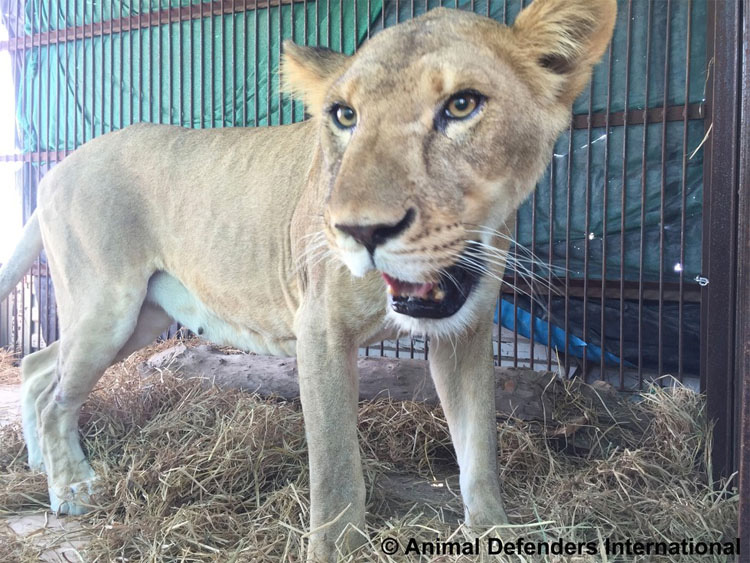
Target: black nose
x=371 y=236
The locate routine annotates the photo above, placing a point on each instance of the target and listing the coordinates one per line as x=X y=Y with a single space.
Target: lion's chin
x=434 y=300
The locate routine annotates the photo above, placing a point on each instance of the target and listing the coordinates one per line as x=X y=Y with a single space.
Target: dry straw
x=196 y=473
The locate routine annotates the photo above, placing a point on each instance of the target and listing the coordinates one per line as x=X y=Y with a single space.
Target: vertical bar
x=515 y=292
x=532 y=288
x=268 y=64
x=586 y=229
x=111 y=40
x=662 y=195
x=550 y=254
x=255 y=59
x=122 y=71
x=170 y=68
x=291 y=101
x=720 y=220
x=232 y=62
x=75 y=78
x=683 y=189
x=278 y=93
x=644 y=168
x=93 y=69
x=131 y=49
x=568 y=209
x=34 y=300
x=605 y=197
x=244 y=63
x=623 y=197
x=140 y=64
x=742 y=367
x=212 y=74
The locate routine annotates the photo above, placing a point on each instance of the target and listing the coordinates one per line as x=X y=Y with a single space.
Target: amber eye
x=344 y=116
x=462 y=105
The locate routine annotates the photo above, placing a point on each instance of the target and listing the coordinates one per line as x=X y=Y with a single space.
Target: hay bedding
x=191 y=473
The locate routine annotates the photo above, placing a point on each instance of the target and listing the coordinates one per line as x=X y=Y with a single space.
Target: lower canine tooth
x=438 y=294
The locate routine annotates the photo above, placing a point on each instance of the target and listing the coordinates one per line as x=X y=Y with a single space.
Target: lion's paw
x=75 y=499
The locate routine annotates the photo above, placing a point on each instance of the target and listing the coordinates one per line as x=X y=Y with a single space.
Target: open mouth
x=433 y=300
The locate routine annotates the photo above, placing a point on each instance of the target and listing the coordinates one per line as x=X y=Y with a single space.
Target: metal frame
x=719 y=377
x=742 y=366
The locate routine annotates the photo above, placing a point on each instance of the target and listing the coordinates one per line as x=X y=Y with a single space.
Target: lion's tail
x=22 y=258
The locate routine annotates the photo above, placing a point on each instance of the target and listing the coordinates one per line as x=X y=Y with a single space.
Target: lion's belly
x=183 y=306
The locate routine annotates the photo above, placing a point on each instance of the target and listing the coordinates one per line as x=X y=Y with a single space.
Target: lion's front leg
x=329 y=390
x=463 y=373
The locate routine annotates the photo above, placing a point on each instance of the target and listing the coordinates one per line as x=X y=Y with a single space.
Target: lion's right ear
x=309 y=71
x=565 y=38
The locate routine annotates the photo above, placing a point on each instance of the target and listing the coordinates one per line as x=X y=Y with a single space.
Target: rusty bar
x=637 y=117
x=644 y=166
x=719 y=230
x=623 y=197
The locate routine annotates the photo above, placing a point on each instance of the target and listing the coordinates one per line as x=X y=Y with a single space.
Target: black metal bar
x=586 y=231
x=683 y=199
x=605 y=197
x=568 y=210
x=719 y=230
x=623 y=197
x=662 y=194
x=742 y=367
x=550 y=255
x=644 y=166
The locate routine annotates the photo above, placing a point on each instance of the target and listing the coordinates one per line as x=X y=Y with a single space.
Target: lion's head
x=435 y=132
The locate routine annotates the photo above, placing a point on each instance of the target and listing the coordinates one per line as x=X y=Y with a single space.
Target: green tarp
x=222 y=71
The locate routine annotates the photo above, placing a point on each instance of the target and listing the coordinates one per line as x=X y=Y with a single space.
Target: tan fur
x=238 y=234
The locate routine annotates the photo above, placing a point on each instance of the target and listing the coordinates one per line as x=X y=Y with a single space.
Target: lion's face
x=432 y=135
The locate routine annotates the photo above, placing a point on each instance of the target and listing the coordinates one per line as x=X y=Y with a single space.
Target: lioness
x=419 y=149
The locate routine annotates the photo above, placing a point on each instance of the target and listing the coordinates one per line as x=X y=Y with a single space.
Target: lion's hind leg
x=38 y=373
x=87 y=347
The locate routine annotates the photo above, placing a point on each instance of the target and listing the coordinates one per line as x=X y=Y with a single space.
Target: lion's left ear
x=566 y=38
x=309 y=71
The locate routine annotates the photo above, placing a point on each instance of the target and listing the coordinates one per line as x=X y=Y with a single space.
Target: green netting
x=643 y=203
x=222 y=71
x=216 y=72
